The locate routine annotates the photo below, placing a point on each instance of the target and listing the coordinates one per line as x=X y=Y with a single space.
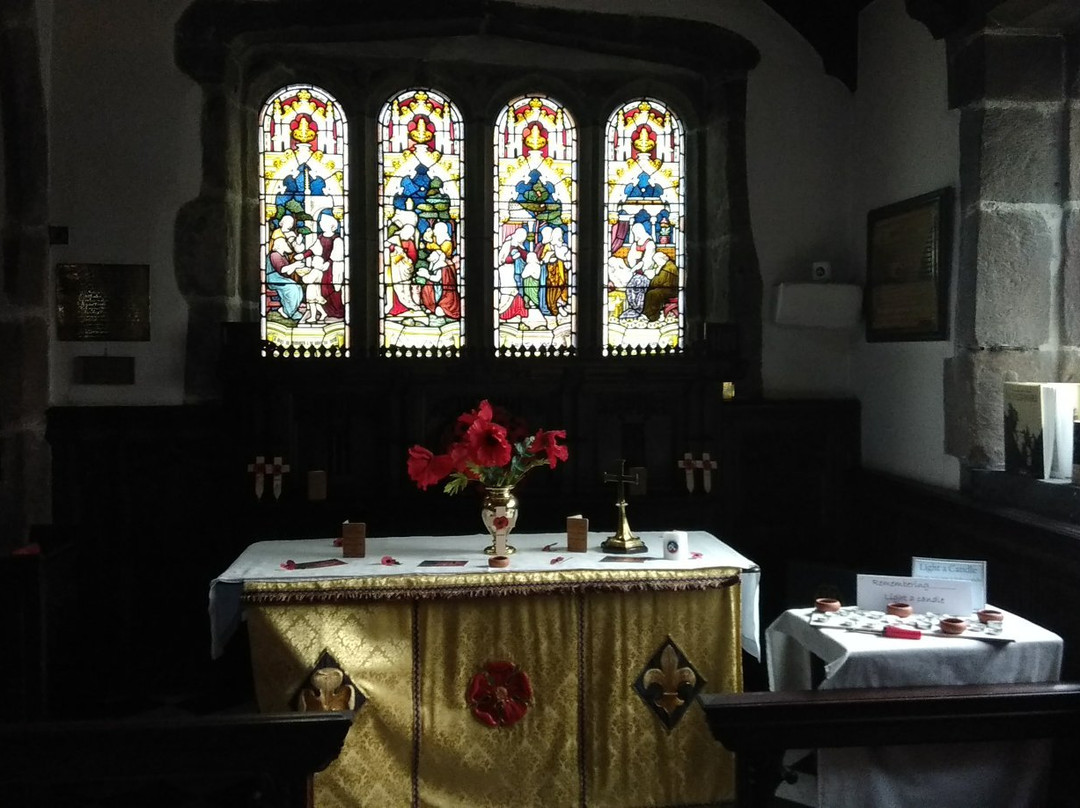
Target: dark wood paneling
x=153 y=502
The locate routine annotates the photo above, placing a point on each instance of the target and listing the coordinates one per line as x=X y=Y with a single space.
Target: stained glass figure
x=645 y=241
x=535 y=228
x=421 y=226
x=305 y=224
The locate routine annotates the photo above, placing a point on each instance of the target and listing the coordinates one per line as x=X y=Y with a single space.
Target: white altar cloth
x=989 y=775
x=262 y=561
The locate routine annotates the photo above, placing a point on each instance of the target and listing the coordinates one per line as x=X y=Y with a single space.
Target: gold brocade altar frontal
x=586 y=732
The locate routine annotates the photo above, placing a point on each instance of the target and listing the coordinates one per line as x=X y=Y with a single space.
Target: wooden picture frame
x=908 y=250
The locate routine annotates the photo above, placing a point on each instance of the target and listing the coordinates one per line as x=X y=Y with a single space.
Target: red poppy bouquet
x=490 y=448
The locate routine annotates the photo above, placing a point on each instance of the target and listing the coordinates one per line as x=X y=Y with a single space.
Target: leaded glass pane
x=645 y=241
x=304 y=219
x=420 y=196
x=535 y=227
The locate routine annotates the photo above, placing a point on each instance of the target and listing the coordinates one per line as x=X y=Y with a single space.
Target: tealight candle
x=990 y=616
x=676 y=545
x=952 y=625
x=899 y=609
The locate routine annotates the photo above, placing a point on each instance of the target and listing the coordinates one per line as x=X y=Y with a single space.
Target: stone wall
x=24 y=258
x=1018 y=290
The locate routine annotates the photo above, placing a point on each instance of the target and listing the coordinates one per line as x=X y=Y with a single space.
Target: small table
x=985 y=774
x=586 y=627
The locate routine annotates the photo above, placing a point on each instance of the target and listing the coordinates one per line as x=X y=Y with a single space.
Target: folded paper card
x=951 y=569
x=924 y=594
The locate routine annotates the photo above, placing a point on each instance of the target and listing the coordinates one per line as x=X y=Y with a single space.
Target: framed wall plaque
x=908 y=248
x=103 y=302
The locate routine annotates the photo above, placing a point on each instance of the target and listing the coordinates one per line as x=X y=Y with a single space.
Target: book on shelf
x=1038 y=420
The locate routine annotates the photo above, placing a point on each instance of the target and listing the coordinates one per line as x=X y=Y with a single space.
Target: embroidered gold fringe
x=485 y=585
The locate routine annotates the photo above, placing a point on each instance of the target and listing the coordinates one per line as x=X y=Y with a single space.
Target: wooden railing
x=758 y=727
x=269 y=758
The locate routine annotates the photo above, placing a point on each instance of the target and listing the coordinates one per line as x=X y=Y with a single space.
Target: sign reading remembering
x=924 y=594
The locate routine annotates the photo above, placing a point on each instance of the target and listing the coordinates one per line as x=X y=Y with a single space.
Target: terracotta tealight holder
x=952 y=625
x=499 y=561
x=899 y=609
x=827 y=605
x=990 y=616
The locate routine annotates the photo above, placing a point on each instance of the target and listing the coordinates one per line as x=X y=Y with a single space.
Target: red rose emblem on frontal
x=500 y=694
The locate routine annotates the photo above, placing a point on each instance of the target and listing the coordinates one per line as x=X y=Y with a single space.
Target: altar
x=566 y=679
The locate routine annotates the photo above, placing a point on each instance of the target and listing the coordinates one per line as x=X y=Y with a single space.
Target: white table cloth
x=262 y=561
x=939 y=775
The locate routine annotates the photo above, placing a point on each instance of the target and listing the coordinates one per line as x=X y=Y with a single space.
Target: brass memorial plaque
x=103 y=302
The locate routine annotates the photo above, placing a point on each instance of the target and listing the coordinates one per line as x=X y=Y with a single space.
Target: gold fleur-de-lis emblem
x=328 y=692
x=668 y=684
x=328 y=688
x=670 y=677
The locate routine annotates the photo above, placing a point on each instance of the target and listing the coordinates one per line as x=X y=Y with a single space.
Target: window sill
x=1057 y=500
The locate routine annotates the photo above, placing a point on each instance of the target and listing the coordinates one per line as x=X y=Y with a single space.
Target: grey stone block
x=1016 y=254
x=997 y=66
x=25 y=256
x=1020 y=154
x=974 y=415
x=1072 y=157
x=25 y=369
x=200 y=247
x=1070 y=277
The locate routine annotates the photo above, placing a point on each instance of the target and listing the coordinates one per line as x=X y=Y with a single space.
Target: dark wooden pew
x=268 y=758
x=758 y=727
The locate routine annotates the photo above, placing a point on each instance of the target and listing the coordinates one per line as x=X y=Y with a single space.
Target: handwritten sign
x=924 y=594
x=952 y=569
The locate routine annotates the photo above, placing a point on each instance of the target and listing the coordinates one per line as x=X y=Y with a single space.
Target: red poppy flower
x=482 y=413
x=547 y=443
x=500 y=522
x=288 y=565
x=487 y=444
x=500 y=694
x=426 y=468
x=389 y=561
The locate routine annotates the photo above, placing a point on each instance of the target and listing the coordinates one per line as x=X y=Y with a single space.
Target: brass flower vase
x=499 y=501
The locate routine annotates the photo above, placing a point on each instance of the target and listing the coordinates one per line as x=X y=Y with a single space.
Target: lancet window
x=645 y=249
x=421 y=225
x=419 y=289
x=304 y=223
x=535 y=228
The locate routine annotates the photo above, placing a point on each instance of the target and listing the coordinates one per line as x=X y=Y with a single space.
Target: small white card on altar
x=953 y=569
x=875 y=592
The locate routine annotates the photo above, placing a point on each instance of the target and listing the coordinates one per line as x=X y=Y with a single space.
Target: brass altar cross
x=624 y=540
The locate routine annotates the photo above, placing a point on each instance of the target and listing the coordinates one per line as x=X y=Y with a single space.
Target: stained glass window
x=305 y=225
x=420 y=196
x=645 y=240
x=535 y=234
